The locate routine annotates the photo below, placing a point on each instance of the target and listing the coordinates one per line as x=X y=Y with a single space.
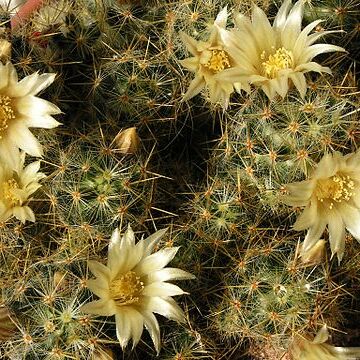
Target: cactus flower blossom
x=134 y=285
x=331 y=198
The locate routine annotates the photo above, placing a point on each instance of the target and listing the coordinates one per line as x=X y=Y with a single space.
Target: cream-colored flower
x=20 y=109
x=134 y=285
x=209 y=59
x=317 y=349
x=331 y=198
x=16 y=186
x=270 y=56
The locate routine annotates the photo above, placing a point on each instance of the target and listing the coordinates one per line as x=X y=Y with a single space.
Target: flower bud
x=127 y=141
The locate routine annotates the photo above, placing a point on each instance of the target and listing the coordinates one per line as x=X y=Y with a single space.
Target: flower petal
x=292 y=27
x=166 y=307
x=307 y=217
x=327 y=167
x=300 y=82
x=312 y=66
x=113 y=249
x=42 y=82
x=9 y=153
x=355 y=199
x=99 y=270
x=100 y=307
x=30 y=172
x=268 y=90
x=299 y=193
x=22 y=137
x=35 y=109
x=122 y=254
x=191 y=63
x=315 y=254
x=313 y=235
x=99 y=288
x=4 y=75
x=22 y=88
x=264 y=34
x=221 y=18
x=280 y=85
x=137 y=326
x=302 y=40
x=128 y=239
x=317 y=35
x=351 y=217
x=155 y=261
x=123 y=327
x=23 y=213
x=321 y=336
x=167 y=274
x=336 y=233
x=162 y=289
x=129 y=325
x=151 y=241
x=196 y=85
x=280 y=19
x=317 y=49
x=131 y=259
x=152 y=326
x=189 y=42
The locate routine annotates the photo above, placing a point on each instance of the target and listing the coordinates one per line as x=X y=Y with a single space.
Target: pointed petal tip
x=129 y=229
x=115 y=236
x=321 y=336
x=123 y=343
x=221 y=18
x=163 y=231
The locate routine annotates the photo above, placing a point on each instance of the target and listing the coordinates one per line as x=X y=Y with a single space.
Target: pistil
x=126 y=289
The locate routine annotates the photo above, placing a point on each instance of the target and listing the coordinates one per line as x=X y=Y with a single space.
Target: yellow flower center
x=281 y=59
x=6 y=113
x=338 y=188
x=219 y=61
x=126 y=289
x=8 y=187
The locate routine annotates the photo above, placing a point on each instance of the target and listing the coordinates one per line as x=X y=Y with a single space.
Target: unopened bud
x=59 y=280
x=127 y=141
x=5 y=50
x=103 y=354
x=315 y=254
x=7 y=326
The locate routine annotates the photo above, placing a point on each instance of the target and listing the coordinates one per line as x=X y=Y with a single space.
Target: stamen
x=281 y=59
x=8 y=187
x=338 y=188
x=6 y=113
x=219 y=61
x=126 y=289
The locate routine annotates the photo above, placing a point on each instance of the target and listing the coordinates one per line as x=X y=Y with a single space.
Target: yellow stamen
x=338 y=188
x=219 y=61
x=126 y=289
x=6 y=113
x=281 y=59
x=8 y=187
